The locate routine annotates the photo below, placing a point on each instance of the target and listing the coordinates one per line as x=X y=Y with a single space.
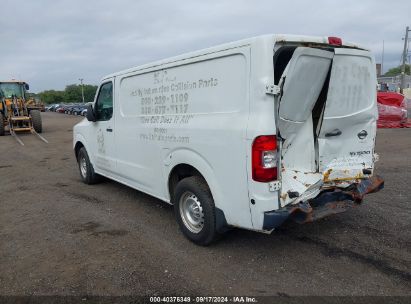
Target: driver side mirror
x=91 y=116
x=26 y=86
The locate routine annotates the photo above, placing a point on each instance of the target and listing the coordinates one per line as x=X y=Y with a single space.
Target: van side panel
x=190 y=111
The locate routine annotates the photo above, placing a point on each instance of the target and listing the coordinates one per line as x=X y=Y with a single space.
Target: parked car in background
x=60 y=109
x=68 y=109
x=77 y=110
x=72 y=108
x=52 y=107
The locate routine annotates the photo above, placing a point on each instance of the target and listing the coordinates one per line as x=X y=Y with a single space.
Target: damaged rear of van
x=325 y=108
x=247 y=134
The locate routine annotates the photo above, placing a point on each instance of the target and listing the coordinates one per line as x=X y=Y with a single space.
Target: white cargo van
x=246 y=134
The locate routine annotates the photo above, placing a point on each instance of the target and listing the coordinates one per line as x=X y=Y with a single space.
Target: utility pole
x=382 y=59
x=82 y=88
x=404 y=60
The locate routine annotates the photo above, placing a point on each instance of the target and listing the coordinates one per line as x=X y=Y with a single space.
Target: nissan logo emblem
x=363 y=134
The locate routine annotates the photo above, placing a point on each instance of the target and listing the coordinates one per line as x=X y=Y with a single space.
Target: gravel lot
x=61 y=237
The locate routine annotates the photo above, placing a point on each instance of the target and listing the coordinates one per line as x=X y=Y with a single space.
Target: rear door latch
x=272 y=89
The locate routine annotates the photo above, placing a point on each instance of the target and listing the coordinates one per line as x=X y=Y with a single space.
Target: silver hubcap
x=83 y=167
x=191 y=212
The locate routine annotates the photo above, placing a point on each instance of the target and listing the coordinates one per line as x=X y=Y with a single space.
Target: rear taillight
x=334 y=41
x=264 y=158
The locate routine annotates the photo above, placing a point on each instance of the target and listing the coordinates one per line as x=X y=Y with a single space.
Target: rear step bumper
x=331 y=201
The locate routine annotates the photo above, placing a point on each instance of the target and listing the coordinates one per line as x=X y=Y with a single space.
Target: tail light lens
x=264 y=158
x=334 y=41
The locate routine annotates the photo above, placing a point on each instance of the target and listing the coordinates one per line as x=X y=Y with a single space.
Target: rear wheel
x=86 y=168
x=195 y=211
x=36 y=119
x=1 y=124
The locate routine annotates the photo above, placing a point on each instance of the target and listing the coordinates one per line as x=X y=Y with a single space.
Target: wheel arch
x=80 y=142
x=179 y=172
x=184 y=163
x=77 y=148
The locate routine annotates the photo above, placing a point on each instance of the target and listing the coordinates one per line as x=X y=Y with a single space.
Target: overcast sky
x=52 y=43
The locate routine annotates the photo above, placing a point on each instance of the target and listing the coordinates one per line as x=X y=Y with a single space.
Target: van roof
x=270 y=39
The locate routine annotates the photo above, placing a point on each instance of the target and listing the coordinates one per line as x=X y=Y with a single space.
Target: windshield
x=8 y=90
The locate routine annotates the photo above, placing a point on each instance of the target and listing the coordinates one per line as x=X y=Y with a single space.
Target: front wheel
x=86 y=168
x=36 y=119
x=195 y=211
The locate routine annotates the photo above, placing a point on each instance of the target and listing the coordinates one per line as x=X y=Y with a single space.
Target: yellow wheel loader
x=15 y=115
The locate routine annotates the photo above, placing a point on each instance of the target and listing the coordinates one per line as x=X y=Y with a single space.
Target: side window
x=104 y=103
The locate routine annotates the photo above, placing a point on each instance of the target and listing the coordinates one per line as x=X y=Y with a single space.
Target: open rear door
x=347 y=135
x=327 y=117
x=301 y=84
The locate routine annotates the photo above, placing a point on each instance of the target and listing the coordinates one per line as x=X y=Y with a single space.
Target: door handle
x=335 y=132
x=109 y=130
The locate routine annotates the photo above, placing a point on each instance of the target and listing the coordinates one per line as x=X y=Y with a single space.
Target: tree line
x=71 y=94
x=397 y=71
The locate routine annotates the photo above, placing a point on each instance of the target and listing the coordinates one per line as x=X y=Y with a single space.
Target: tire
x=195 y=211
x=86 y=169
x=1 y=124
x=36 y=119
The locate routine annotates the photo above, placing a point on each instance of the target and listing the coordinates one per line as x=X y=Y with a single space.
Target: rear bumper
x=331 y=201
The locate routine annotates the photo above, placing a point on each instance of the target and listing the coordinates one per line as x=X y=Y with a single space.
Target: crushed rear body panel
x=328 y=202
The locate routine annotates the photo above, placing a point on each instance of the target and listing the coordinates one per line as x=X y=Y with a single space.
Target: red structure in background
x=392 y=110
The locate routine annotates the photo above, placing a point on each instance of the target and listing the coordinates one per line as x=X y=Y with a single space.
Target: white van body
x=314 y=96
